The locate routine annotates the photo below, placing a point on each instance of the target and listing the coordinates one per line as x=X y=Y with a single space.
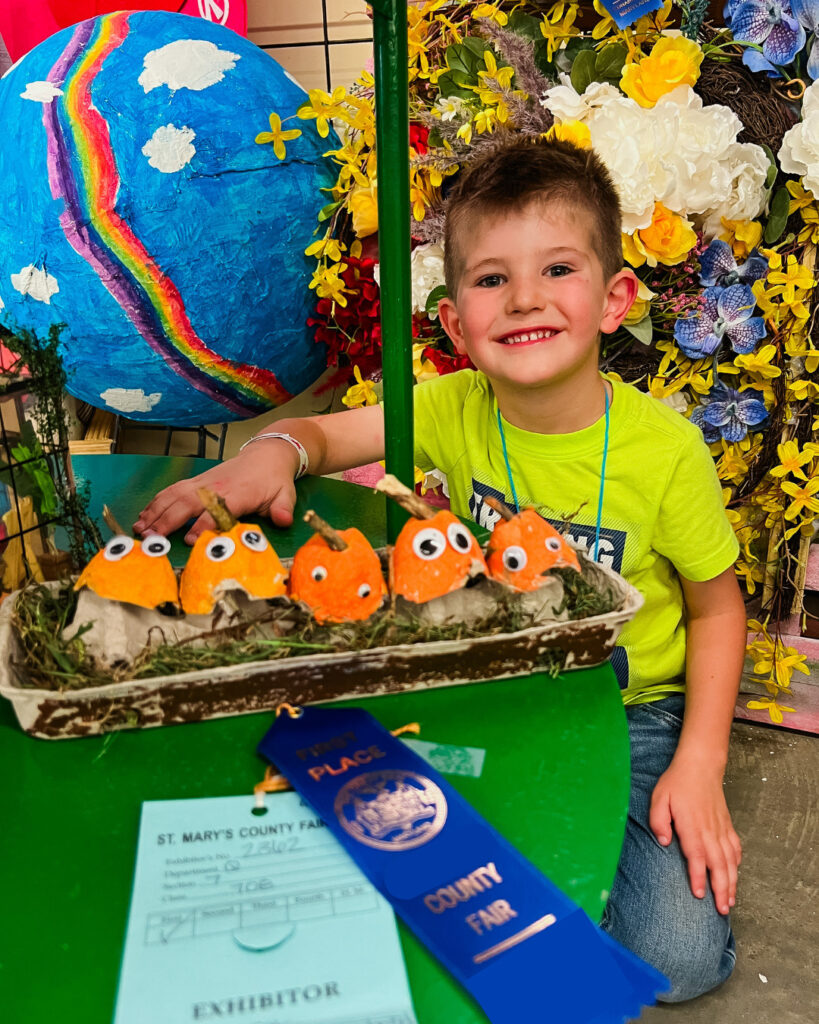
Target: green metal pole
x=392 y=149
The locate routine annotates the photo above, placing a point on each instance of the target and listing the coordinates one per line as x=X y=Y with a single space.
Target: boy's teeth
x=517 y=339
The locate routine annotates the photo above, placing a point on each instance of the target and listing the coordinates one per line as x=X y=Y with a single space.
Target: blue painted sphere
x=138 y=210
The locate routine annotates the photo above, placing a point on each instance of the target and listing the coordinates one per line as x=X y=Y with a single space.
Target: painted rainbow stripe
x=83 y=173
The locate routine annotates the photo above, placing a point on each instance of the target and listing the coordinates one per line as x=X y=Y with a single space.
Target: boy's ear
x=621 y=295
x=451 y=323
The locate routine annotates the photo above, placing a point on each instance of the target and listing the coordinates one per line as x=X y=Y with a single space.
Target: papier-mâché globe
x=137 y=209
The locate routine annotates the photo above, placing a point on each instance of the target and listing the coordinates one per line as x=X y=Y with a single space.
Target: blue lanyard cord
x=602 y=481
x=602 y=475
x=506 y=460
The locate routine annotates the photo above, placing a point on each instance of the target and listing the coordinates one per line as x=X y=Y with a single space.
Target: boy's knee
x=696 y=972
x=696 y=956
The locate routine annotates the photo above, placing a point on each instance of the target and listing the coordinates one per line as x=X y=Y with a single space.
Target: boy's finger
x=659 y=818
x=176 y=515
x=731 y=861
x=281 y=507
x=204 y=522
x=736 y=844
x=696 y=874
x=154 y=509
x=719 y=883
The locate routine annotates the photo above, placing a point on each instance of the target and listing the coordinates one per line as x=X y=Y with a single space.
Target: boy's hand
x=692 y=798
x=258 y=480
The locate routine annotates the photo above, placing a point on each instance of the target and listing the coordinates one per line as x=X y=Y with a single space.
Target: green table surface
x=555 y=783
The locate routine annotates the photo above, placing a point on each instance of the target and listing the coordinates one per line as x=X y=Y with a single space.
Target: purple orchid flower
x=728 y=414
x=770 y=24
x=718 y=266
x=725 y=312
x=807 y=14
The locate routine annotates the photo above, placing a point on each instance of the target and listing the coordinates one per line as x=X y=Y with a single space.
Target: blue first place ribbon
x=519 y=945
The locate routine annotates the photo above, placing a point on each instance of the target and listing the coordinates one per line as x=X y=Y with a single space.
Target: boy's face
x=532 y=298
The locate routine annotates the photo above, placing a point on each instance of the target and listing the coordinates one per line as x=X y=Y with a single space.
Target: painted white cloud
x=186 y=64
x=129 y=400
x=170 y=148
x=36 y=282
x=41 y=92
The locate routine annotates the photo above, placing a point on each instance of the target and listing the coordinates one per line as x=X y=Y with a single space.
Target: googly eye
x=514 y=558
x=364 y=590
x=429 y=543
x=318 y=573
x=156 y=546
x=118 y=547
x=553 y=544
x=254 y=539
x=219 y=548
x=459 y=537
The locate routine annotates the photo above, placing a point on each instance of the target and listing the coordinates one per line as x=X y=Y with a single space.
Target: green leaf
x=772 y=166
x=609 y=62
x=583 y=71
x=326 y=212
x=463 y=57
x=477 y=46
x=434 y=298
x=778 y=216
x=565 y=58
x=448 y=87
x=524 y=25
x=642 y=331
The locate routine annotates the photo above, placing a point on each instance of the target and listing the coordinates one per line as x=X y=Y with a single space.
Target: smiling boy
x=535 y=274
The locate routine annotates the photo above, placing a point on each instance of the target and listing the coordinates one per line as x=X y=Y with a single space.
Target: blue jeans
x=652 y=910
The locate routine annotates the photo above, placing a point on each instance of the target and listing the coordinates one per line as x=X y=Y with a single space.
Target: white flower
x=449 y=107
x=427 y=265
x=567 y=105
x=679 y=401
x=799 y=153
x=744 y=198
x=427 y=269
x=679 y=152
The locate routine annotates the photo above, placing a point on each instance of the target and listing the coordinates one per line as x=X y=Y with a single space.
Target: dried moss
x=50 y=661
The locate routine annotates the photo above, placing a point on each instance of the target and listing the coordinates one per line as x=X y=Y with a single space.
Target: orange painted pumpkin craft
x=131 y=571
x=240 y=558
x=433 y=557
x=524 y=548
x=337 y=574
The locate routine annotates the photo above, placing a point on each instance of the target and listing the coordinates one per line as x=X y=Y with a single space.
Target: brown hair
x=534 y=170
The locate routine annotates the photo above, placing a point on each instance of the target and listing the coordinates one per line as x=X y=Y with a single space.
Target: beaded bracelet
x=304 y=463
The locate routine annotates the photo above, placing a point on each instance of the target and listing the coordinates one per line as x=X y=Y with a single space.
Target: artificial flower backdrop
x=711 y=132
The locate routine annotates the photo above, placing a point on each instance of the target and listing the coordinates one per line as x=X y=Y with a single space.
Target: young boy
x=534 y=272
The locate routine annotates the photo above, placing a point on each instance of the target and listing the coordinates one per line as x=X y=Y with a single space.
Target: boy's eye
x=490 y=281
x=559 y=270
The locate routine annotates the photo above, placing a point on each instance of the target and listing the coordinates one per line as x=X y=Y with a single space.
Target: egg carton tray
x=316 y=678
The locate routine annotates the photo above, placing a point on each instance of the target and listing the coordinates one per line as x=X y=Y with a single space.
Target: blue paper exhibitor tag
x=625 y=12
x=519 y=945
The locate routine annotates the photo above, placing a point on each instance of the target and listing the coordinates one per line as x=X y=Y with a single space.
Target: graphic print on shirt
x=612 y=542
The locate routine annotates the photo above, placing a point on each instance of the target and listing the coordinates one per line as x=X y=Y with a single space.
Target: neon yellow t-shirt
x=662 y=504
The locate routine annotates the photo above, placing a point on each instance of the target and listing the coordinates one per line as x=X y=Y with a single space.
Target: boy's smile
x=531 y=302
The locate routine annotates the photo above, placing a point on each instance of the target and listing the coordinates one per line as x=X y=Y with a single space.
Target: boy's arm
x=260 y=478
x=690 y=793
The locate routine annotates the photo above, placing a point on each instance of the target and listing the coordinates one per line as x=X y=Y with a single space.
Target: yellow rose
x=673 y=61
x=641 y=305
x=668 y=239
x=571 y=131
x=742 y=236
x=363 y=206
